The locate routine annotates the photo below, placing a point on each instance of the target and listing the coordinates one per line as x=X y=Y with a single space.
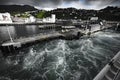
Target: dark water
x=20 y=31
x=60 y=59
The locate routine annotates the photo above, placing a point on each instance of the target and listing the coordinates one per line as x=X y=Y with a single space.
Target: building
x=94 y=18
x=51 y=19
x=5 y=18
x=30 y=19
x=19 y=19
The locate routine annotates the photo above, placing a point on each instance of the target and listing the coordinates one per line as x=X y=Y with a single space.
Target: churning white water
x=61 y=59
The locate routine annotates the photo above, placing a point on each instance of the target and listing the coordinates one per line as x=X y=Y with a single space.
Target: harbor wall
x=10 y=49
x=76 y=34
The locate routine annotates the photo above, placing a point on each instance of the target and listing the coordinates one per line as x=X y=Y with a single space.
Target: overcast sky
x=51 y=4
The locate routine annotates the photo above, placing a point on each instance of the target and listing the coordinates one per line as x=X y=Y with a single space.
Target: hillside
x=16 y=8
x=108 y=13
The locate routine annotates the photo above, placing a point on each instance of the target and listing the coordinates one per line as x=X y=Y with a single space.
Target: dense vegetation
x=40 y=14
x=108 y=13
x=16 y=8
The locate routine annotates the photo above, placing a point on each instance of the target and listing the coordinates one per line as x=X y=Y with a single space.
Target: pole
x=117 y=26
x=9 y=35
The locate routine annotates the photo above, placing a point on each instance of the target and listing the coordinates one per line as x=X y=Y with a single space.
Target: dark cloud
x=101 y=2
x=7 y=2
x=55 y=3
x=116 y=2
x=50 y=3
x=98 y=4
x=35 y=2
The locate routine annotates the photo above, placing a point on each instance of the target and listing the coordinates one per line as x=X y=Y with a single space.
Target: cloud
x=100 y=2
x=36 y=2
x=78 y=5
x=89 y=4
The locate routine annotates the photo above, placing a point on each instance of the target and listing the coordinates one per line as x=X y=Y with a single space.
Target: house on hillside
x=30 y=19
x=94 y=19
x=5 y=18
x=51 y=19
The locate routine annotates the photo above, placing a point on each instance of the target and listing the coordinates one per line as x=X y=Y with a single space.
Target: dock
x=68 y=34
x=21 y=23
x=15 y=44
x=21 y=42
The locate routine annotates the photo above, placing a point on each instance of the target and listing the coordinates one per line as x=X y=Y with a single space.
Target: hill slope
x=16 y=8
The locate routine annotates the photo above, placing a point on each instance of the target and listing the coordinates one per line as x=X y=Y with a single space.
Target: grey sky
x=49 y=4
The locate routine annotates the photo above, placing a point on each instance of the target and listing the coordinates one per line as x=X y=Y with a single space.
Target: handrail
x=102 y=73
x=116 y=75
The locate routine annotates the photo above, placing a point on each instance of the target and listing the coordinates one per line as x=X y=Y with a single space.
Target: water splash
x=33 y=59
x=66 y=60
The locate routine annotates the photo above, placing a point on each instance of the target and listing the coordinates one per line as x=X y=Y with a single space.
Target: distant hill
x=16 y=8
x=71 y=13
x=110 y=13
x=110 y=8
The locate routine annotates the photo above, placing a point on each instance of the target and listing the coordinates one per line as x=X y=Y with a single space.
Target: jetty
x=14 y=44
x=63 y=33
x=21 y=23
x=10 y=46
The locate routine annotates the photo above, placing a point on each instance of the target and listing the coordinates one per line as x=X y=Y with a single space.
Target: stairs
x=113 y=71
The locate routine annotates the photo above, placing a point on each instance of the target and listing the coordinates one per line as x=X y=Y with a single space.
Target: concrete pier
x=67 y=34
x=21 y=42
x=9 y=46
x=21 y=23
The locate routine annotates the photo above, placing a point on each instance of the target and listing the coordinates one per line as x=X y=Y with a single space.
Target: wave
x=66 y=60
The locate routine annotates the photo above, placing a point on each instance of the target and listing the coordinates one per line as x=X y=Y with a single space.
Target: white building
x=51 y=19
x=94 y=18
x=30 y=19
x=5 y=18
x=18 y=19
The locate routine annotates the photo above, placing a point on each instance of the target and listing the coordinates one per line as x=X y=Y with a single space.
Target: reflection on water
x=62 y=60
x=20 y=31
x=31 y=29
